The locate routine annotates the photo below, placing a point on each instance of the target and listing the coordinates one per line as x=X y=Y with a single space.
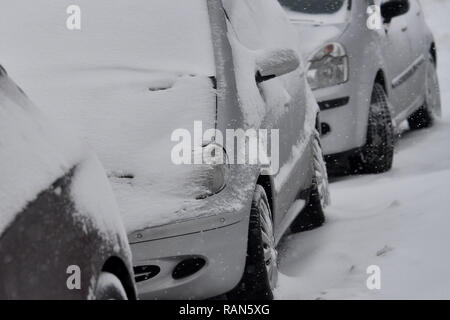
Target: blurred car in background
x=367 y=80
x=61 y=236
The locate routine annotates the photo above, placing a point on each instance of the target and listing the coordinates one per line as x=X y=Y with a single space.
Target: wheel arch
x=118 y=268
x=267 y=183
x=380 y=78
x=433 y=52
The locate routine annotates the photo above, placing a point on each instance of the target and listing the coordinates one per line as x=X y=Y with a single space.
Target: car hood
x=128 y=116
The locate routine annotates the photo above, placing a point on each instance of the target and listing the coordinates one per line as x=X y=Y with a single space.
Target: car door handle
x=404 y=29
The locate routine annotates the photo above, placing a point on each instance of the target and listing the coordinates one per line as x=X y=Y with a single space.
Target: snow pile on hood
x=33 y=153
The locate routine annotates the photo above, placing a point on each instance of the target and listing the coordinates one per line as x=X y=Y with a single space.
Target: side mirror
x=394 y=8
x=276 y=63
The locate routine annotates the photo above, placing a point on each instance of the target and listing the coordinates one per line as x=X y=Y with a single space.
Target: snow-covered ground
x=399 y=221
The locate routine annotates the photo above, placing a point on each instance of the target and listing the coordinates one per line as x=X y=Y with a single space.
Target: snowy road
x=399 y=221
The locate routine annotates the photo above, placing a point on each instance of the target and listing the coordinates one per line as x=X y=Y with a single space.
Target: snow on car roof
x=156 y=34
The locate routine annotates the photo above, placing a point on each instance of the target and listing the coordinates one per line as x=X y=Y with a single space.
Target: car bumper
x=344 y=116
x=222 y=249
x=216 y=236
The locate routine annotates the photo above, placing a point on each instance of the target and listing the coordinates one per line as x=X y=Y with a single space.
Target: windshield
x=144 y=35
x=313 y=6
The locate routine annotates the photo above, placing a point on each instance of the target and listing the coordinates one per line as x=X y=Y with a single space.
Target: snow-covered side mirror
x=275 y=63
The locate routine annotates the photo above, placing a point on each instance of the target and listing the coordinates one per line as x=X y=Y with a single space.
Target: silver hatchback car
x=138 y=90
x=367 y=78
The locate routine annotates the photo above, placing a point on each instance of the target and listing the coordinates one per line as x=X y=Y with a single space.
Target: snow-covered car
x=371 y=68
x=61 y=236
x=138 y=78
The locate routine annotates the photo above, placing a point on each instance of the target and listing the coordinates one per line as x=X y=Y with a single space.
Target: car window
x=313 y=6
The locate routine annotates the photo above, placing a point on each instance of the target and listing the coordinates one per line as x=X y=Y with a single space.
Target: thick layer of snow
x=163 y=34
x=131 y=76
x=93 y=197
x=398 y=221
x=32 y=153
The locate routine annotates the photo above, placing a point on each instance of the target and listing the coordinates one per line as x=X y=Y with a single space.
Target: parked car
x=135 y=89
x=61 y=236
x=367 y=81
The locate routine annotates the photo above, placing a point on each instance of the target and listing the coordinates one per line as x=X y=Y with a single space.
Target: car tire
x=261 y=268
x=378 y=154
x=109 y=287
x=424 y=117
x=313 y=216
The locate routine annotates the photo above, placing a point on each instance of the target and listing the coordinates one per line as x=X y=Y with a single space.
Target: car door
x=262 y=25
x=398 y=58
x=419 y=50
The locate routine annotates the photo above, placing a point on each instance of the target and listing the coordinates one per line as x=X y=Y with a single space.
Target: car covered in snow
x=372 y=65
x=146 y=84
x=61 y=236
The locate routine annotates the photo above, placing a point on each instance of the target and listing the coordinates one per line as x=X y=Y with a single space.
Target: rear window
x=313 y=6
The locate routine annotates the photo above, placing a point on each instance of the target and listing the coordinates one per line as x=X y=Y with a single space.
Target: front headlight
x=212 y=174
x=328 y=67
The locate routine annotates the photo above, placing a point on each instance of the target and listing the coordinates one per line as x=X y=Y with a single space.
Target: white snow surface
x=399 y=221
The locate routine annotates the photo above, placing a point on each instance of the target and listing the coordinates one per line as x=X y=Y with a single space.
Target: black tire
x=421 y=119
x=378 y=154
x=109 y=287
x=424 y=117
x=256 y=282
x=313 y=216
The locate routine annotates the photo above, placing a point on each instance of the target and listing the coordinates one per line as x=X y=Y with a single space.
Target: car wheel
x=378 y=154
x=313 y=215
x=261 y=269
x=425 y=115
x=109 y=287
